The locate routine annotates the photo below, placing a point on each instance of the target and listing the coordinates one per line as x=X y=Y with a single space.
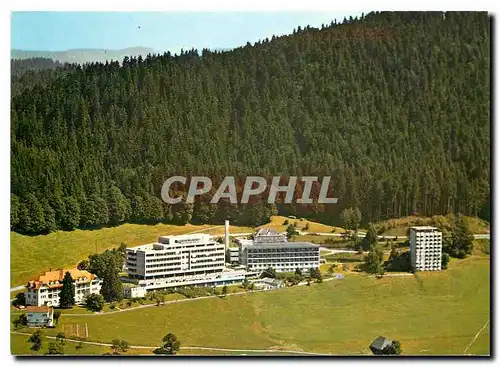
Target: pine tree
x=112 y=288
x=370 y=238
x=383 y=104
x=374 y=261
x=14 y=211
x=67 y=293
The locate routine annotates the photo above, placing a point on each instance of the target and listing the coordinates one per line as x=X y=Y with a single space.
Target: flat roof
x=143 y=247
x=186 y=236
x=289 y=244
x=418 y=228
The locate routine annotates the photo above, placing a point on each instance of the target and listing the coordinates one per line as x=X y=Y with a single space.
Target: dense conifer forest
x=395 y=107
x=27 y=73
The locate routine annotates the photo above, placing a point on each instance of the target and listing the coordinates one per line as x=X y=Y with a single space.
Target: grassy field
x=432 y=313
x=219 y=230
x=32 y=255
x=319 y=239
x=345 y=257
x=314 y=227
x=21 y=347
x=401 y=225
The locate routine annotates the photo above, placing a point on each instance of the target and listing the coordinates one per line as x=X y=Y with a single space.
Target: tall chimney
x=227 y=234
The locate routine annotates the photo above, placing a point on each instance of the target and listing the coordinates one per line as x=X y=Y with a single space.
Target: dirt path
x=475 y=337
x=191 y=347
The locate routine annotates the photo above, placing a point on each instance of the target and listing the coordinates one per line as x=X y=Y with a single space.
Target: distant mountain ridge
x=83 y=55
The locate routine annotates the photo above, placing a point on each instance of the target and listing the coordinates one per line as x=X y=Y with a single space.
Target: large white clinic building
x=426 y=246
x=180 y=260
x=272 y=249
x=45 y=290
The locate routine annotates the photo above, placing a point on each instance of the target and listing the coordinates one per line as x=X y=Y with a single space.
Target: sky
x=162 y=31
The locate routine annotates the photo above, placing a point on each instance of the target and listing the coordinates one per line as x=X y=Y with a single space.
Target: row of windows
x=428 y=260
x=172 y=252
x=291 y=255
x=162 y=265
x=283 y=250
x=166 y=259
x=208 y=260
x=177 y=262
x=217 y=265
x=275 y=260
x=186 y=249
x=286 y=265
x=221 y=265
x=284 y=257
x=170 y=275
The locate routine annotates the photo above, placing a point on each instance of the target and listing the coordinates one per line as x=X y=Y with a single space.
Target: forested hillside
x=27 y=73
x=82 y=55
x=394 y=106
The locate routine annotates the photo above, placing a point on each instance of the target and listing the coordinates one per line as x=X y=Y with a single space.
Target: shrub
x=21 y=321
x=94 y=302
x=19 y=300
x=445 y=258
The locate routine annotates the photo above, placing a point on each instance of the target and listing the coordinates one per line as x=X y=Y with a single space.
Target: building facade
x=271 y=249
x=233 y=254
x=181 y=260
x=40 y=316
x=45 y=290
x=426 y=246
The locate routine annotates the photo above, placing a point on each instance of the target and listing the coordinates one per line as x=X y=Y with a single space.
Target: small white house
x=132 y=292
x=40 y=316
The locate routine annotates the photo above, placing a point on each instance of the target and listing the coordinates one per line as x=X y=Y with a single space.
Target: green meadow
x=32 y=255
x=431 y=313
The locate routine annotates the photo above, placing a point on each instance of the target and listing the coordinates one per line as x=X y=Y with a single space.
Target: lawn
x=314 y=227
x=345 y=257
x=319 y=239
x=401 y=225
x=32 y=255
x=19 y=345
x=219 y=230
x=432 y=313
